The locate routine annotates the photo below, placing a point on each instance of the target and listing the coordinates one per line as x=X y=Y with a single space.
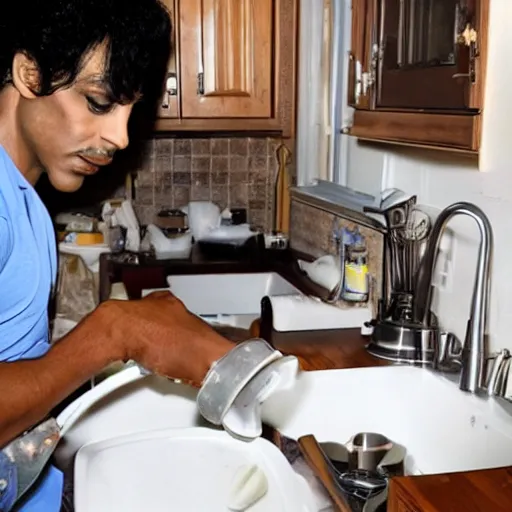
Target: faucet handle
x=499 y=366
x=449 y=357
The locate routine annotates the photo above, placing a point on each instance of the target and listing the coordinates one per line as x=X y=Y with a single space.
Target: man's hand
x=163 y=336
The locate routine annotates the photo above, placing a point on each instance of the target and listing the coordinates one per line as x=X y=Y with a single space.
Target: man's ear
x=25 y=75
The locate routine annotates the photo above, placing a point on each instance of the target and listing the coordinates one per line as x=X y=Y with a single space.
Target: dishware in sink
x=195 y=469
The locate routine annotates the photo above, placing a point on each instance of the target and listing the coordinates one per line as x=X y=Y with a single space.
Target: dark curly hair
x=59 y=34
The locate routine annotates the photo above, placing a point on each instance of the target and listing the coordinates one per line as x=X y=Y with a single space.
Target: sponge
x=249 y=485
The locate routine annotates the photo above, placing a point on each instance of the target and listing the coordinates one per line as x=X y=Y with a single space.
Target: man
x=70 y=73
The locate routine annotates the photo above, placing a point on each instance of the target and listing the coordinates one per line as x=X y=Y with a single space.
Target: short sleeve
x=5 y=242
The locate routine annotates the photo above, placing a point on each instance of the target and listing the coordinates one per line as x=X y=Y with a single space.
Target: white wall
x=440 y=179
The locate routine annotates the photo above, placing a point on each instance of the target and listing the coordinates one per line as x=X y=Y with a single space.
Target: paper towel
x=304 y=313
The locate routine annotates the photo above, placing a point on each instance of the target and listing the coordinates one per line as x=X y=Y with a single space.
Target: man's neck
x=11 y=136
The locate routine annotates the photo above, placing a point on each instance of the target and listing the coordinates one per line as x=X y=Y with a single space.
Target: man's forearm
x=31 y=388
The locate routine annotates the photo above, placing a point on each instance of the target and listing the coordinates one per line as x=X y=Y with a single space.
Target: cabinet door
x=168 y=107
x=426 y=54
x=226 y=58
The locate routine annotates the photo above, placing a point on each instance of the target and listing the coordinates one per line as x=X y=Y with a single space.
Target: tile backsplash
x=311 y=234
x=232 y=172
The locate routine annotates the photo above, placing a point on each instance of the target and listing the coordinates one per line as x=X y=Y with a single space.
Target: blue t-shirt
x=28 y=268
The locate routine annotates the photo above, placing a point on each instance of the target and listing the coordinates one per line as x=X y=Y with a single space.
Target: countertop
x=326 y=350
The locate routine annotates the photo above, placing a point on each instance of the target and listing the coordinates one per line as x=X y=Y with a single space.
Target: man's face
x=75 y=131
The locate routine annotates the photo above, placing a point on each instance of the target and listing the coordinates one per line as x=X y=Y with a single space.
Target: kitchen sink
x=238 y=294
x=230 y=299
x=442 y=428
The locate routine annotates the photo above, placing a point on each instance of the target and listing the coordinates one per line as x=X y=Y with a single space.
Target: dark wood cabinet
x=417 y=71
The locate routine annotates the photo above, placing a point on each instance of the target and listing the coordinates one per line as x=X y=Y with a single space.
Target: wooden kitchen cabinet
x=235 y=66
x=488 y=490
x=417 y=71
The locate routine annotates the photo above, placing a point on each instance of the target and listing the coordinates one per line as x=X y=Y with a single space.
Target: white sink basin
x=228 y=294
x=230 y=299
x=442 y=428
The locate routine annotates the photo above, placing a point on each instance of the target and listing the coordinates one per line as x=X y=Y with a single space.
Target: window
x=324 y=152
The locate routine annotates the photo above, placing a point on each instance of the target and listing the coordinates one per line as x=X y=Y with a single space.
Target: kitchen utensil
x=31 y=451
x=391 y=464
x=291 y=450
x=368 y=487
x=282 y=194
x=323 y=469
x=366 y=450
x=396 y=336
x=359 y=490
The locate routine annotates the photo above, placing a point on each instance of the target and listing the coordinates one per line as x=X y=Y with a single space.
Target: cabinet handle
x=171 y=89
x=466 y=43
x=200 y=84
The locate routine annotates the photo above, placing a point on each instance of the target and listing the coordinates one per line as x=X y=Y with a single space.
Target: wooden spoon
x=316 y=460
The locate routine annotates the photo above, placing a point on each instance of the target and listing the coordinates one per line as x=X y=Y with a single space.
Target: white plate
x=181 y=470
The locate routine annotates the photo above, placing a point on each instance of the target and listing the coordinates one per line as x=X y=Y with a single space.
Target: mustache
x=97 y=152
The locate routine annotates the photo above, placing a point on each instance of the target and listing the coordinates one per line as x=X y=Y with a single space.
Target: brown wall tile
x=238 y=147
x=220 y=147
x=200 y=179
x=238 y=163
x=199 y=193
x=181 y=196
x=239 y=195
x=201 y=147
x=220 y=164
x=201 y=163
x=258 y=147
x=181 y=178
x=181 y=164
x=183 y=147
x=220 y=178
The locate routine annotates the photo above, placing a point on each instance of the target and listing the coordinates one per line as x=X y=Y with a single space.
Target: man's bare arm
x=157 y=331
x=32 y=388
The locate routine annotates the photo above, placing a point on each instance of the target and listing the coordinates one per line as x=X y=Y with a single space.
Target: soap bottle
x=355 y=267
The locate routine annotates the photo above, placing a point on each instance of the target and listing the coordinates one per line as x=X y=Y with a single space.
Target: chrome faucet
x=474 y=351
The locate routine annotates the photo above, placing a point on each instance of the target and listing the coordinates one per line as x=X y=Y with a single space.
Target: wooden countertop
x=489 y=490
x=326 y=350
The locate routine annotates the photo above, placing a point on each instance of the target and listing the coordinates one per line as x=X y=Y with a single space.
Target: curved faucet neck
x=474 y=349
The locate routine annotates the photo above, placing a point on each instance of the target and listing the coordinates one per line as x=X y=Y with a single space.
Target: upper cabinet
x=417 y=71
x=229 y=62
x=233 y=68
